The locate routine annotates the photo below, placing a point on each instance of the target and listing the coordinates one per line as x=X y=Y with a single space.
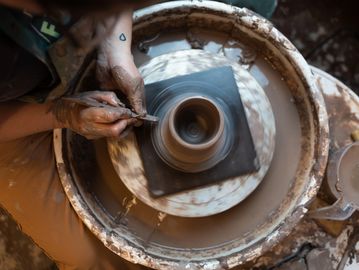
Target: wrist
x=57 y=124
x=57 y=111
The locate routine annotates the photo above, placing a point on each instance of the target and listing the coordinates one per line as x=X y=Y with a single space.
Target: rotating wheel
x=230 y=222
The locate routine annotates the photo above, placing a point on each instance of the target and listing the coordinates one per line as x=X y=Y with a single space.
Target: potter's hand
x=115 y=67
x=89 y=121
x=118 y=72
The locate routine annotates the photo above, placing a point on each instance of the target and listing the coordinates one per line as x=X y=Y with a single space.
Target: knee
x=76 y=255
x=90 y=254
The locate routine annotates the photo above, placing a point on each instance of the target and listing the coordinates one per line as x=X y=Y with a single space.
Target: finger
x=132 y=86
x=132 y=122
x=119 y=102
x=125 y=132
x=117 y=128
x=137 y=98
x=99 y=130
x=129 y=127
x=105 y=78
x=138 y=106
x=105 y=115
x=138 y=123
x=108 y=97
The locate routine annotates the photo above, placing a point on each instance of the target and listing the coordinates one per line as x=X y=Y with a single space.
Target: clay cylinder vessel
x=193 y=134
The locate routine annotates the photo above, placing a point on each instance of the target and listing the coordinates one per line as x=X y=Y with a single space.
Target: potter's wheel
x=109 y=206
x=215 y=198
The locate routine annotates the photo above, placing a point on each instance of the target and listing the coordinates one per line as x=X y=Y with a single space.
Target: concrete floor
x=325 y=32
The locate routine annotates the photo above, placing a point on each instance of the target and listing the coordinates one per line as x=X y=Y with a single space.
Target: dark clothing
x=25 y=68
x=20 y=71
x=30 y=188
x=31 y=191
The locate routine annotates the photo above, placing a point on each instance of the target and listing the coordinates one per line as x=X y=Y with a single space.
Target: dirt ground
x=17 y=251
x=325 y=32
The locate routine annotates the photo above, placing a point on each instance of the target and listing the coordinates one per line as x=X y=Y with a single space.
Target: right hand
x=116 y=70
x=93 y=122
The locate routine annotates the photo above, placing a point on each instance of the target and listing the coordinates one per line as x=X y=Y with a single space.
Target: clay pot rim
x=201 y=146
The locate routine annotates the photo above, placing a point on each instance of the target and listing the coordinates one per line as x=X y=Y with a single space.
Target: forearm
x=118 y=32
x=121 y=35
x=18 y=119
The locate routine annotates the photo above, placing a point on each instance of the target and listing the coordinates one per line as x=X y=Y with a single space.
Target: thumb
x=132 y=86
x=137 y=98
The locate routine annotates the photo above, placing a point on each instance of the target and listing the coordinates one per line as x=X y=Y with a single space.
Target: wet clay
x=237 y=222
x=193 y=135
x=213 y=199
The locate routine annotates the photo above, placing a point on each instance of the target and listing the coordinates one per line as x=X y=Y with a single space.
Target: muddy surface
x=238 y=221
x=286 y=185
x=316 y=35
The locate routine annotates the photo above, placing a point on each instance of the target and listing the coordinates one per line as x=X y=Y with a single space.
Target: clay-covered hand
x=118 y=72
x=115 y=66
x=90 y=121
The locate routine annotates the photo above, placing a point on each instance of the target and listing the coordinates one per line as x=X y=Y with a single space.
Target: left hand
x=90 y=121
x=116 y=69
